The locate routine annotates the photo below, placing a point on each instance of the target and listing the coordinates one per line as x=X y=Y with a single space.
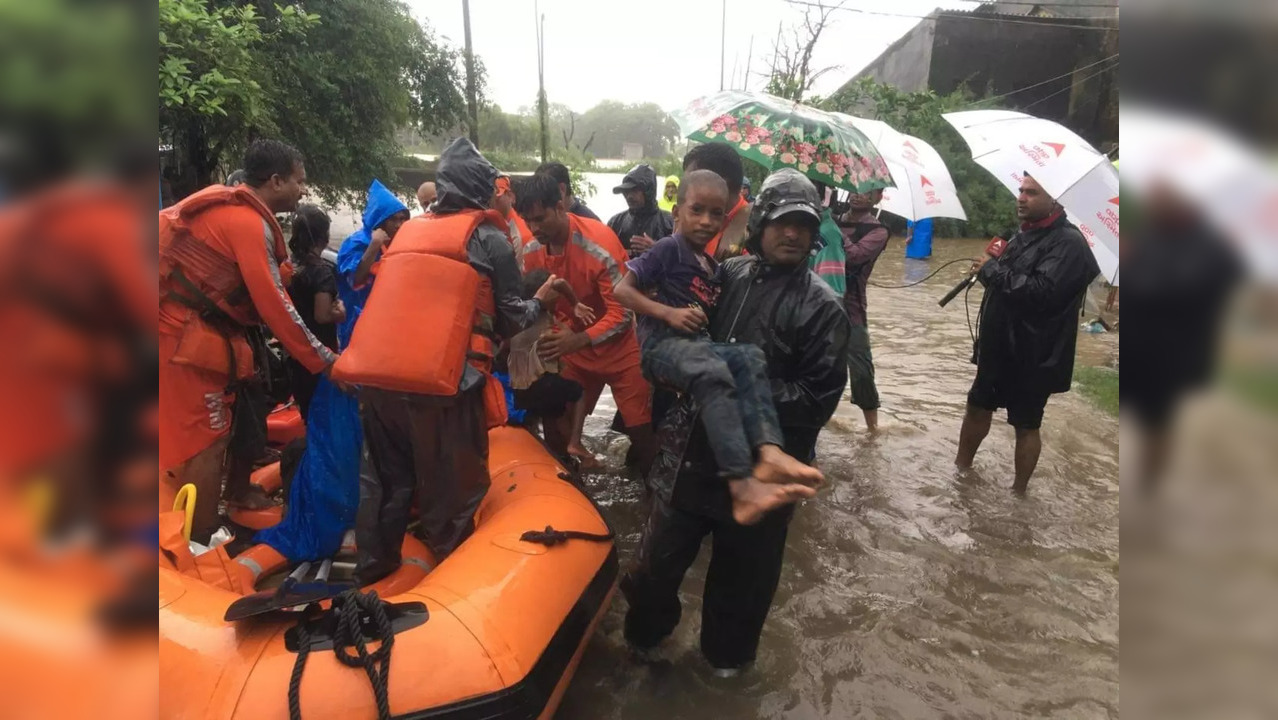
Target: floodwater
x=909 y=591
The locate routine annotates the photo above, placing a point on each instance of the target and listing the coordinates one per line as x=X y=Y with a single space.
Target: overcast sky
x=664 y=51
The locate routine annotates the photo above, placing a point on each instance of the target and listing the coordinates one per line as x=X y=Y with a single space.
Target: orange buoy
x=506 y=621
x=284 y=424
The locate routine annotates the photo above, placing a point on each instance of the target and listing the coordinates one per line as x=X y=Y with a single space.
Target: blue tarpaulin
x=920 y=242
x=324 y=495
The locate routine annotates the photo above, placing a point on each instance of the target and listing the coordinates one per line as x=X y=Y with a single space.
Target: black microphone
x=994 y=249
x=964 y=284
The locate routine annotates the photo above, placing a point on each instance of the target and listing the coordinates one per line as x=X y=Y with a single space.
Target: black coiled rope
x=350 y=608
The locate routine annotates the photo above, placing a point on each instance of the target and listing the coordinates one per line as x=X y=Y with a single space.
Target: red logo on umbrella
x=910 y=145
x=1114 y=200
x=924 y=182
x=1058 y=147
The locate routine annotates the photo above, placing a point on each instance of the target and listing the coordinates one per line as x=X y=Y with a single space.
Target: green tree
x=337 y=81
x=614 y=124
x=211 y=81
x=68 y=86
x=989 y=207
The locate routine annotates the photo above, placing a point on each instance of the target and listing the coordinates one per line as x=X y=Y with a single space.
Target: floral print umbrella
x=778 y=133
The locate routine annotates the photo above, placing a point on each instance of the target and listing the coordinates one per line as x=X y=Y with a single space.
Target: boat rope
x=551 y=537
x=351 y=607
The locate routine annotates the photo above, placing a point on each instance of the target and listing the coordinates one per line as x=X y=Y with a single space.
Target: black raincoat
x=800 y=324
x=1029 y=315
x=648 y=220
x=434 y=449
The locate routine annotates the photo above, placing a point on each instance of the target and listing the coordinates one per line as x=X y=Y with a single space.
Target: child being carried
x=728 y=381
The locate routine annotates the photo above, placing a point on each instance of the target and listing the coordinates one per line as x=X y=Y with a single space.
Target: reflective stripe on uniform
x=252 y=565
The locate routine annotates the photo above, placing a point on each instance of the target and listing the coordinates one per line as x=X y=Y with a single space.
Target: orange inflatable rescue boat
x=494 y=631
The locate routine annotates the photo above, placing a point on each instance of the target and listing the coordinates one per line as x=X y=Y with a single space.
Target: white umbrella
x=924 y=187
x=1229 y=181
x=1010 y=144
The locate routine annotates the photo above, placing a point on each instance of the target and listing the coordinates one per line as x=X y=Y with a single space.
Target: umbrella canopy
x=1232 y=184
x=1010 y=144
x=924 y=187
x=778 y=133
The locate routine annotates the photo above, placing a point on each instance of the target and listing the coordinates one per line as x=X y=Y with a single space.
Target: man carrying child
x=769 y=299
x=729 y=381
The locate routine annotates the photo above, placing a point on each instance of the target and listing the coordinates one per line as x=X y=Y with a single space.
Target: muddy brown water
x=908 y=591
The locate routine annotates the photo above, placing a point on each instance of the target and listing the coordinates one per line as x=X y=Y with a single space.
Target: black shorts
x=1024 y=408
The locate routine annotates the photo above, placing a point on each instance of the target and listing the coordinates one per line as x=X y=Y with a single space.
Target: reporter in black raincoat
x=773 y=300
x=1024 y=350
x=642 y=219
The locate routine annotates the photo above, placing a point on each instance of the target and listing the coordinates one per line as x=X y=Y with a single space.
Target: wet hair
x=533 y=281
x=310 y=229
x=703 y=178
x=556 y=170
x=540 y=190
x=404 y=214
x=722 y=160
x=267 y=158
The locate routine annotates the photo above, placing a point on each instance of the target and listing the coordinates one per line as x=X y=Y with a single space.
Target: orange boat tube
x=505 y=626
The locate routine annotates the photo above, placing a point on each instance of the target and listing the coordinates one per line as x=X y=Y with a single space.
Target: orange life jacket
x=190 y=268
x=428 y=313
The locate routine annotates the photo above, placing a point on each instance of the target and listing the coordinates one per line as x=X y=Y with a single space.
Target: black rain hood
x=465 y=178
x=645 y=178
x=648 y=220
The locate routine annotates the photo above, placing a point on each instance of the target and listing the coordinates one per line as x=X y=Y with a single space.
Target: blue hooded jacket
x=381 y=204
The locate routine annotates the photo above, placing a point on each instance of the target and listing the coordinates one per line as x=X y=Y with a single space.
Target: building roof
x=1049 y=8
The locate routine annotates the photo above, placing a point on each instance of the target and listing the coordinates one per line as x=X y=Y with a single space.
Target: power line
x=1102 y=71
x=1031 y=3
x=964 y=15
x=1039 y=84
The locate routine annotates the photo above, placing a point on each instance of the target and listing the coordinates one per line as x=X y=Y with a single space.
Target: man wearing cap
x=642 y=224
x=771 y=299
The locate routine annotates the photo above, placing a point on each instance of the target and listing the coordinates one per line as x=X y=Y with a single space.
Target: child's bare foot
x=586 y=460
x=752 y=499
x=775 y=466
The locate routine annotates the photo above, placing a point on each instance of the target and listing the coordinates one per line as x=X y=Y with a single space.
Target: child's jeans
x=730 y=384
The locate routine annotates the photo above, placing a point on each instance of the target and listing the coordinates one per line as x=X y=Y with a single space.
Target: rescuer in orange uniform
x=219 y=273
x=447 y=288
x=590 y=257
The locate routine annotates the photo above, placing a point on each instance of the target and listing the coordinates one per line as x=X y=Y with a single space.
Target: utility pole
x=543 y=107
x=749 y=59
x=472 y=105
x=723 y=35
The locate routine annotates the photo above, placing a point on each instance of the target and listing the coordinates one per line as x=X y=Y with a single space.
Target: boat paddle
x=291 y=593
